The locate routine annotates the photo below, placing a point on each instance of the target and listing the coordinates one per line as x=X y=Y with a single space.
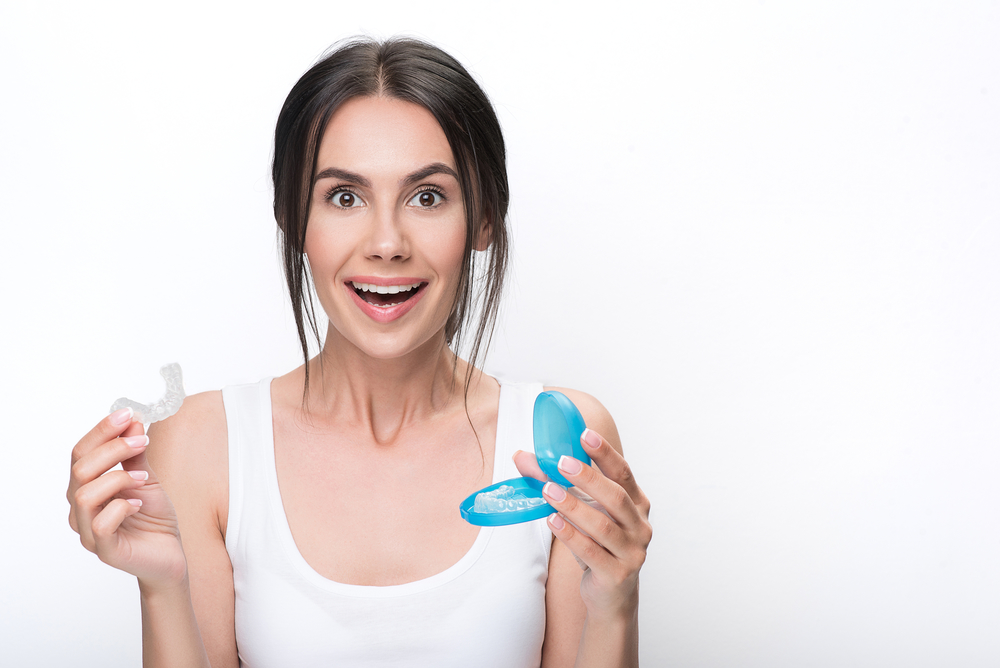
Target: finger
x=92 y=498
x=134 y=429
x=86 y=447
x=105 y=525
x=601 y=528
x=110 y=427
x=139 y=462
x=605 y=491
x=614 y=466
x=527 y=465
x=105 y=457
x=594 y=556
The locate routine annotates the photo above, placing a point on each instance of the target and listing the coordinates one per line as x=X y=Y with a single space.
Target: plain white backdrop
x=765 y=235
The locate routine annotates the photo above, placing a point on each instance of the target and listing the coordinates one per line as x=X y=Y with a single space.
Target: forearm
x=170 y=634
x=609 y=643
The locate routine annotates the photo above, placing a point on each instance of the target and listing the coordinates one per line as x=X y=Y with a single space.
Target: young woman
x=312 y=519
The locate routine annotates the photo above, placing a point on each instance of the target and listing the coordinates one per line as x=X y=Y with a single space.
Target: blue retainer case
x=557 y=426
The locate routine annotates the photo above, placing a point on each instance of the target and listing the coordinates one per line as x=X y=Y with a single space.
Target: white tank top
x=488 y=609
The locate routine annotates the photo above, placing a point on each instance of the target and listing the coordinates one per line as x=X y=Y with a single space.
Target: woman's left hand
x=616 y=546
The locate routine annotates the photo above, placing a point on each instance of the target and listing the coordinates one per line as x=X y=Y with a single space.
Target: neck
x=383 y=396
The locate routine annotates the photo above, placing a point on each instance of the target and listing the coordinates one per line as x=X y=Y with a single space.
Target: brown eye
x=426 y=198
x=344 y=199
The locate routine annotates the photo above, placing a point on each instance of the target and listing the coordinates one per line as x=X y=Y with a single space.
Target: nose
x=386 y=238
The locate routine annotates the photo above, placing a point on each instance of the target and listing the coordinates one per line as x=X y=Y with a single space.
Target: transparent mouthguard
x=165 y=407
x=502 y=499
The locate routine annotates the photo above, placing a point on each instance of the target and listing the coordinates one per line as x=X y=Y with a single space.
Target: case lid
x=557 y=426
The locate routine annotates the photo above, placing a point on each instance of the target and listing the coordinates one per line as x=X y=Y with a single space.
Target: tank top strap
x=247 y=422
x=514 y=425
x=516 y=431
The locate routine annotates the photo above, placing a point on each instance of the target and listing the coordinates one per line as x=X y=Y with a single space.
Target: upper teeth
x=383 y=289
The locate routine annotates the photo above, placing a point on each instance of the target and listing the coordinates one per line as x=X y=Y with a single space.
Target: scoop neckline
x=277 y=509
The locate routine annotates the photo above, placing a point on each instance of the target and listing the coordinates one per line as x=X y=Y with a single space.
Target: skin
x=382 y=394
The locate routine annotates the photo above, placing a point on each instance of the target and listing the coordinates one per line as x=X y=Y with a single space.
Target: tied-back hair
x=413 y=71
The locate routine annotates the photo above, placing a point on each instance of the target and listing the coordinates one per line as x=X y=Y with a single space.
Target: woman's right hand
x=124 y=517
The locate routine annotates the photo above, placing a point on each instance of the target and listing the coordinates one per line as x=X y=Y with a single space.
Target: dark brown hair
x=417 y=72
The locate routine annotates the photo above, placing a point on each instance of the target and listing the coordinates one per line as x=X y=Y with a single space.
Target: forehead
x=373 y=134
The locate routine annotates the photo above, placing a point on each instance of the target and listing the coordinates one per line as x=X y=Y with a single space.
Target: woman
x=319 y=510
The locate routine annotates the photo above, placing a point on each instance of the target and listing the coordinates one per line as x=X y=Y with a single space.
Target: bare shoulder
x=195 y=435
x=594 y=414
x=189 y=453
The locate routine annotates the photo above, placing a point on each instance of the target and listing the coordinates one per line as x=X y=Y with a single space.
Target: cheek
x=325 y=254
x=448 y=247
x=452 y=255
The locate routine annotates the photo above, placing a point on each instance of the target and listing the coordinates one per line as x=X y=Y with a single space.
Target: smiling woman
x=402 y=71
x=390 y=187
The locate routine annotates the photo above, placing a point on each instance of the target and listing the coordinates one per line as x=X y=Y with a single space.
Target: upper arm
x=189 y=455
x=594 y=414
x=565 y=612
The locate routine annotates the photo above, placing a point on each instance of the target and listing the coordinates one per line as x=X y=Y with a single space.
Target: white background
x=766 y=236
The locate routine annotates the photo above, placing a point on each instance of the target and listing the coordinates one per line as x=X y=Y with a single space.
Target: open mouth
x=386 y=296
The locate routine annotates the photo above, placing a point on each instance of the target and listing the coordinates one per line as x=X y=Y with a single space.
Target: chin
x=387 y=346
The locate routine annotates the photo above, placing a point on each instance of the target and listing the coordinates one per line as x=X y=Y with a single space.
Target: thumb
x=134 y=429
x=527 y=465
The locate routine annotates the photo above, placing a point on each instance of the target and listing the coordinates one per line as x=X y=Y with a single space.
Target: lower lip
x=385 y=315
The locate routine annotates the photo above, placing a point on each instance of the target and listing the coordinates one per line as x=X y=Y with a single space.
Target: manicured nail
x=137 y=441
x=139 y=475
x=591 y=438
x=570 y=465
x=556 y=521
x=554 y=491
x=135 y=502
x=122 y=416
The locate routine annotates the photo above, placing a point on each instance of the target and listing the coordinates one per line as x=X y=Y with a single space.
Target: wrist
x=612 y=610
x=619 y=619
x=156 y=590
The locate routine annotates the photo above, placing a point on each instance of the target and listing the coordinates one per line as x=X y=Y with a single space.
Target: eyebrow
x=343 y=175
x=410 y=179
x=433 y=168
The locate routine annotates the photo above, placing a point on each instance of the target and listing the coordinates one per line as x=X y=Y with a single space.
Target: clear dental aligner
x=165 y=407
x=504 y=499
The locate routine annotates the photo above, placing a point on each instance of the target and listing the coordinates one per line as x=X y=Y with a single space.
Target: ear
x=485 y=236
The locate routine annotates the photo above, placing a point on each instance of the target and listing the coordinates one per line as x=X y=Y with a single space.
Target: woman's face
x=386 y=231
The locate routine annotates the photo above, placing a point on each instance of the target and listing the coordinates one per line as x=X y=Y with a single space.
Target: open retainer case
x=557 y=426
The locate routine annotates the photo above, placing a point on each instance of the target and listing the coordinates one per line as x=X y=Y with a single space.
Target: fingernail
x=135 y=502
x=554 y=491
x=139 y=475
x=556 y=520
x=570 y=465
x=591 y=438
x=137 y=441
x=516 y=453
x=122 y=416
